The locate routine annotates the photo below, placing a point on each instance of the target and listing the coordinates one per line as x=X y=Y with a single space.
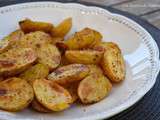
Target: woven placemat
x=148 y=108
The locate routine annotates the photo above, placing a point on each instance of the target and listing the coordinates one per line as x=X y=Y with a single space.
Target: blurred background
x=147 y=9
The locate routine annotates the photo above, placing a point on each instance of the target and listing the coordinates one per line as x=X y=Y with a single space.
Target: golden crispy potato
x=10 y=40
x=15 y=94
x=56 y=40
x=4 y=44
x=93 y=88
x=38 y=71
x=113 y=63
x=64 y=61
x=83 y=56
x=97 y=39
x=16 y=35
x=35 y=39
x=51 y=95
x=61 y=46
x=39 y=107
x=95 y=69
x=62 y=29
x=103 y=46
x=69 y=73
x=28 y=25
x=85 y=38
x=49 y=55
x=15 y=61
x=72 y=89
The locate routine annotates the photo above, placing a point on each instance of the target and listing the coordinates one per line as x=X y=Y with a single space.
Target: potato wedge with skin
x=39 y=107
x=64 y=61
x=28 y=25
x=49 y=55
x=72 y=89
x=55 y=40
x=62 y=29
x=4 y=44
x=113 y=63
x=97 y=39
x=86 y=38
x=15 y=94
x=38 y=71
x=103 y=46
x=62 y=46
x=69 y=73
x=84 y=56
x=51 y=95
x=93 y=88
x=35 y=39
x=10 y=40
x=15 y=61
x=95 y=69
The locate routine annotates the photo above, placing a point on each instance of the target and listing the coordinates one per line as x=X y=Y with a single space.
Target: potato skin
x=103 y=46
x=51 y=95
x=15 y=61
x=69 y=73
x=93 y=88
x=95 y=69
x=15 y=94
x=28 y=25
x=85 y=38
x=64 y=61
x=97 y=39
x=113 y=63
x=62 y=29
x=83 y=56
x=10 y=40
x=49 y=55
x=38 y=71
x=72 y=89
x=39 y=107
x=56 y=40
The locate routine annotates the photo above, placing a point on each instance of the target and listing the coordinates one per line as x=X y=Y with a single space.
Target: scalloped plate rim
x=94 y=8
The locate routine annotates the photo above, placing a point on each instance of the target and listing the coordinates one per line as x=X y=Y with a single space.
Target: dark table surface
x=148 y=108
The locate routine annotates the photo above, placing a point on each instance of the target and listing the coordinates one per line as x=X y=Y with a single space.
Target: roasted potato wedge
x=28 y=25
x=35 y=39
x=95 y=69
x=10 y=40
x=51 y=95
x=93 y=88
x=4 y=44
x=69 y=73
x=16 y=35
x=15 y=94
x=97 y=39
x=84 y=56
x=103 y=46
x=72 y=89
x=62 y=29
x=49 y=55
x=38 y=71
x=56 y=40
x=64 y=61
x=85 y=38
x=39 y=107
x=113 y=63
x=15 y=61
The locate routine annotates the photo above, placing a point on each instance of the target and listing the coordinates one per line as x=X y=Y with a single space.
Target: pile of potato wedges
x=42 y=69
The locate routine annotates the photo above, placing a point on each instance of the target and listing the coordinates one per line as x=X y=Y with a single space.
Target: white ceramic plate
x=139 y=49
